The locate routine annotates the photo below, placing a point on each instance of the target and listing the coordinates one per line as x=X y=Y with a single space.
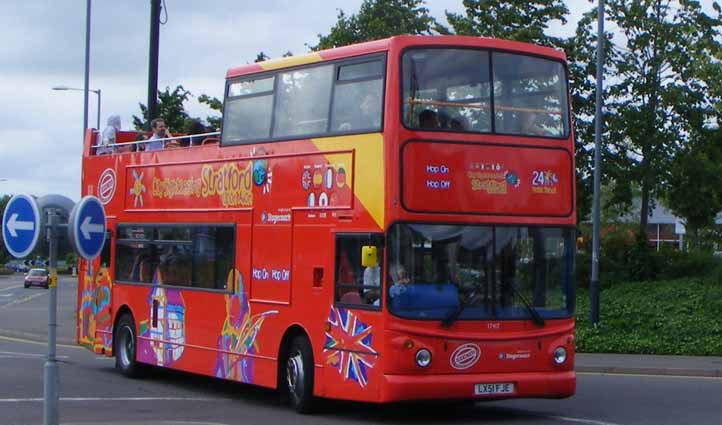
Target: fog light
x=423 y=357
x=560 y=355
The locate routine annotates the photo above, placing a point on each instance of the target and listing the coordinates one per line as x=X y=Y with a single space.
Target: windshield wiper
x=535 y=316
x=451 y=318
x=454 y=315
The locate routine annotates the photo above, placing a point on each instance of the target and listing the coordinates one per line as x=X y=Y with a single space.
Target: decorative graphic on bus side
x=237 y=339
x=94 y=313
x=137 y=189
x=325 y=181
x=348 y=346
x=162 y=336
x=229 y=182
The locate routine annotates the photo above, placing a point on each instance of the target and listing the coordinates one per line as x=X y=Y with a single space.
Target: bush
x=625 y=256
x=4 y=271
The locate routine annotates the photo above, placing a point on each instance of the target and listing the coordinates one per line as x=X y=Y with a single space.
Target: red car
x=37 y=277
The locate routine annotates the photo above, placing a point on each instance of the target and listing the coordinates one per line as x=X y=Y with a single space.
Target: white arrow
x=86 y=228
x=14 y=224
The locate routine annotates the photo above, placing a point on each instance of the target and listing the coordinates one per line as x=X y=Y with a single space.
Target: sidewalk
x=649 y=365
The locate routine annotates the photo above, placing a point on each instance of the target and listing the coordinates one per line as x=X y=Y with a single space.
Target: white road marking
x=580 y=420
x=13 y=355
x=27 y=341
x=10 y=287
x=23 y=300
x=6 y=295
x=85 y=399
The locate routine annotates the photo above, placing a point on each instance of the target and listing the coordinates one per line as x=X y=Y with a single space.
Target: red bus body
x=284 y=269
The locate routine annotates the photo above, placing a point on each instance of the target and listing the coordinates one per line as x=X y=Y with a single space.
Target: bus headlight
x=423 y=357
x=560 y=355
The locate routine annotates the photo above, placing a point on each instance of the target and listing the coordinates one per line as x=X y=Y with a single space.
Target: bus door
x=271 y=256
x=354 y=327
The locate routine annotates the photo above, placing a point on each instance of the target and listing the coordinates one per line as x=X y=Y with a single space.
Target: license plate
x=494 y=389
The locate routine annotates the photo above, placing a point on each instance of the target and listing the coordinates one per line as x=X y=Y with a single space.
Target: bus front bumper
x=479 y=386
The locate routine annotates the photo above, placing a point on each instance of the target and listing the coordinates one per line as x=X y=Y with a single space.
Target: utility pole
x=87 y=68
x=594 y=284
x=153 y=60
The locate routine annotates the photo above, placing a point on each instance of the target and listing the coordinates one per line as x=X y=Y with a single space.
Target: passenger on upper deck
x=530 y=126
x=108 y=136
x=159 y=132
x=428 y=119
x=195 y=127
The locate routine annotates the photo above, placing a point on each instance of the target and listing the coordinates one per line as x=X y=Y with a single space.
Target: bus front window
x=527 y=94
x=479 y=272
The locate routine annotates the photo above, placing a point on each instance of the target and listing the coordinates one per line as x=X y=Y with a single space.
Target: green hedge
x=625 y=256
x=680 y=317
x=4 y=271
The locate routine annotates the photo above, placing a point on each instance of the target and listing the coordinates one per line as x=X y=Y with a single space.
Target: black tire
x=26 y=285
x=124 y=347
x=298 y=375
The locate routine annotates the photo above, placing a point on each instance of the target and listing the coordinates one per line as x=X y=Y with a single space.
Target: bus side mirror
x=368 y=256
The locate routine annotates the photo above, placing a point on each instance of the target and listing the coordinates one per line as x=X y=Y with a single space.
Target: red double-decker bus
x=386 y=221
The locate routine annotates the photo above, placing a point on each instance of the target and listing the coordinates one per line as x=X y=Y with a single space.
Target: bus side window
x=357 y=285
x=105 y=253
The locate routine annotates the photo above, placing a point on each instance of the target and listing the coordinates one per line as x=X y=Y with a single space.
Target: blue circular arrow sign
x=86 y=227
x=21 y=225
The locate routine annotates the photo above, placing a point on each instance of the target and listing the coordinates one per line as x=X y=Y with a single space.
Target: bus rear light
x=327 y=327
x=423 y=357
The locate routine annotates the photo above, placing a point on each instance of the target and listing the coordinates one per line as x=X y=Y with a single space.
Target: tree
x=660 y=93
x=170 y=108
x=215 y=104
x=694 y=192
x=378 y=19
x=519 y=20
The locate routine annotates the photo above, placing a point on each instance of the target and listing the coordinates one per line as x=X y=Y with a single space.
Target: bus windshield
x=479 y=91
x=489 y=271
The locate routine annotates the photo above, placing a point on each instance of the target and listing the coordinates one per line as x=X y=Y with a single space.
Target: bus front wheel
x=125 y=345
x=299 y=375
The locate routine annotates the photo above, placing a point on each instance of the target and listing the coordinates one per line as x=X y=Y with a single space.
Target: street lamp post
x=64 y=88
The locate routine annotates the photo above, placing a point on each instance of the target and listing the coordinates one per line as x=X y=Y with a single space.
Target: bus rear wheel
x=124 y=341
x=299 y=375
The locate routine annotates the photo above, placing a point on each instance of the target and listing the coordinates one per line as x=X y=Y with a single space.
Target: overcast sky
x=44 y=46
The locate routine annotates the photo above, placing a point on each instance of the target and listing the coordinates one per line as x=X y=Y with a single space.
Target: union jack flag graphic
x=348 y=346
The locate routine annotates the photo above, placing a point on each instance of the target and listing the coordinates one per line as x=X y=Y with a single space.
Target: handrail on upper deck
x=203 y=137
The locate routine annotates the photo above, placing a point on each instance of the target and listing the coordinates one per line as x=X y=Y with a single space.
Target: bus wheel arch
x=296 y=369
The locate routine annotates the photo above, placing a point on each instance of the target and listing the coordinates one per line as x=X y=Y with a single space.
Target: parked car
x=17 y=266
x=37 y=277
